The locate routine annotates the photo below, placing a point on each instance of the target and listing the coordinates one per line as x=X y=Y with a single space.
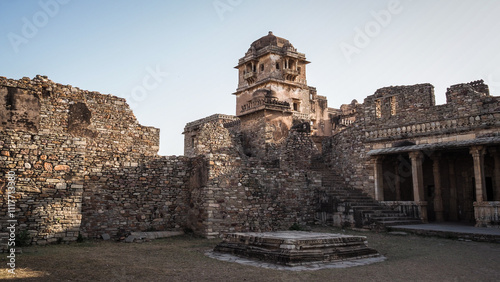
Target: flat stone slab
x=451 y=230
x=295 y=248
x=305 y=267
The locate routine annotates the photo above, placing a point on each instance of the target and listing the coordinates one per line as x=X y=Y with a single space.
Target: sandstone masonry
x=85 y=166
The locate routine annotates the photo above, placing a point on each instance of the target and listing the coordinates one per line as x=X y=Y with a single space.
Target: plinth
x=293 y=248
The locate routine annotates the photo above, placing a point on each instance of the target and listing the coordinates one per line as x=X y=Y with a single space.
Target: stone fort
x=85 y=166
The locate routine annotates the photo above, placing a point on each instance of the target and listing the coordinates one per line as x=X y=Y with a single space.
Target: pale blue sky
x=355 y=47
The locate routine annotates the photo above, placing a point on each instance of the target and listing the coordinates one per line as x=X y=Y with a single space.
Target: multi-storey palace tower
x=273 y=94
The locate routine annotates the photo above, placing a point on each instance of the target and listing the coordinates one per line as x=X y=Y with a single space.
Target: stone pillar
x=477 y=153
x=438 y=195
x=379 y=178
x=418 y=183
x=495 y=152
x=453 y=189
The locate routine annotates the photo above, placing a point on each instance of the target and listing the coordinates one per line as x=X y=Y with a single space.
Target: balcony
x=265 y=103
x=290 y=74
x=250 y=77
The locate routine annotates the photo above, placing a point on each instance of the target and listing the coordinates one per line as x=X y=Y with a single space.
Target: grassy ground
x=409 y=258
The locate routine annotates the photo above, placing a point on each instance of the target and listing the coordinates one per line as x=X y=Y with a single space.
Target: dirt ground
x=181 y=258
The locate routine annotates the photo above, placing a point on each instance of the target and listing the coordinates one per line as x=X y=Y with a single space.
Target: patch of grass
x=182 y=258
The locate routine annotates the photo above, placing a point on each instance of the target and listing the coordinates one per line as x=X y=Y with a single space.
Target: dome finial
x=270 y=33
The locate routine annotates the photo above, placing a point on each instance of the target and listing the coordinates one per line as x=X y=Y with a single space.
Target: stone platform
x=295 y=248
x=452 y=230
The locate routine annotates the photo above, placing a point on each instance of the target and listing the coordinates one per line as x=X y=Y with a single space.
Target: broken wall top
x=41 y=106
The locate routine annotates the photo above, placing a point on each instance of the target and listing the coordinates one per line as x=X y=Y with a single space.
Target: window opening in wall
x=378 y=108
x=254 y=68
x=393 y=105
x=261 y=67
x=298 y=70
x=277 y=66
x=249 y=68
x=296 y=106
x=192 y=141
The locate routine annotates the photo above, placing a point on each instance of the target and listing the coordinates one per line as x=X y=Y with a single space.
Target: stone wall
x=345 y=154
x=125 y=196
x=84 y=164
x=242 y=195
x=197 y=136
x=49 y=183
x=298 y=150
x=230 y=191
x=213 y=137
x=106 y=119
x=409 y=114
x=415 y=114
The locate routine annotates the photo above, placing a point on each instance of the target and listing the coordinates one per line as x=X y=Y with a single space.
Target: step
x=364 y=206
x=392 y=218
x=380 y=213
x=355 y=200
x=401 y=222
x=349 y=194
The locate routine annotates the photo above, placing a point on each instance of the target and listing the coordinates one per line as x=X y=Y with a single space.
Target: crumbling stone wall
x=196 y=142
x=65 y=109
x=230 y=191
x=84 y=164
x=298 y=149
x=213 y=137
x=20 y=109
x=470 y=112
x=49 y=183
x=125 y=196
x=241 y=195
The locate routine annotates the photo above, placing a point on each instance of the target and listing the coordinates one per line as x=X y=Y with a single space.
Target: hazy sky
x=174 y=60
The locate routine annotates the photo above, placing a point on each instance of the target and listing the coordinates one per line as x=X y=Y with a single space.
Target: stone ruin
x=296 y=248
x=85 y=166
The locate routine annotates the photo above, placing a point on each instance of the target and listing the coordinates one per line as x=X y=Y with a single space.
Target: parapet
x=41 y=106
x=460 y=91
x=221 y=118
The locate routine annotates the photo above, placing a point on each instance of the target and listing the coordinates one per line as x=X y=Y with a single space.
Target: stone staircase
x=342 y=206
